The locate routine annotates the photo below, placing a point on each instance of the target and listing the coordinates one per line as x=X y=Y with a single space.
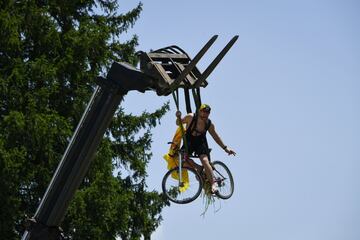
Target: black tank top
x=192 y=127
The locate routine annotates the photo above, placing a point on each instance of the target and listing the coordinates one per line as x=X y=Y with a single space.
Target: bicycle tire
x=224 y=179
x=171 y=186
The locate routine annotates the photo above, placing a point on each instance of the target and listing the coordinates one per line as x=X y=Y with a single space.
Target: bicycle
x=184 y=188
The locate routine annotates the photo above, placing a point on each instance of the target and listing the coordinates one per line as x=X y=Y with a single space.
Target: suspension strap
x=175 y=95
x=187 y=100
x=199 y=96
x=176 y=100
x=197 y=99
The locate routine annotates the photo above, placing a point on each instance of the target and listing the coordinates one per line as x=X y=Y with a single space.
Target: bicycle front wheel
x=184 y=191
x=224 y=180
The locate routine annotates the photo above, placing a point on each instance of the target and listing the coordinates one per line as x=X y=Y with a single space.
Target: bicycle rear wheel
x=224 y=180
x=180 y=192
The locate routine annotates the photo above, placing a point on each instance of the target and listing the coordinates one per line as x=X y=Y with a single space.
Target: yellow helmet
x=205 y=107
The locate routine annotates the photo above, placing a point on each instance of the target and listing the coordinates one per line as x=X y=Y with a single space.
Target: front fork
x=180 y=170
x=185 y=157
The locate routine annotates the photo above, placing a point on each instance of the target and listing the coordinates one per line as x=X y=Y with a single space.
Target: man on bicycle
x=196 y=127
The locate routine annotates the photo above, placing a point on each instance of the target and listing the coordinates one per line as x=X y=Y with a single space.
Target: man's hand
x=178 y=118
x=230 y=151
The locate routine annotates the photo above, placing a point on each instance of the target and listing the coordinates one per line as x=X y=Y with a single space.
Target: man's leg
x=208 y=170
x=192 y=164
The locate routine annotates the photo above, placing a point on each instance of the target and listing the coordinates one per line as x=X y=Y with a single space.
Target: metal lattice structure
x=172 y=68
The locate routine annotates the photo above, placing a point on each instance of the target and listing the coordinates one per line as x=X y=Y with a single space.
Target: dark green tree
x=50 y=54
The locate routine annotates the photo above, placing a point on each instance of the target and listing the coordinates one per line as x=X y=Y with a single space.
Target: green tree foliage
x=50 y=54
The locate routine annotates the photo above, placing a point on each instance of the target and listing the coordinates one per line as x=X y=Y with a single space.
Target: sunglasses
x=207 y=110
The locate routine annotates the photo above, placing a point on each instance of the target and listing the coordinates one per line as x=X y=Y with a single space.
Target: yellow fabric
x=172 y=158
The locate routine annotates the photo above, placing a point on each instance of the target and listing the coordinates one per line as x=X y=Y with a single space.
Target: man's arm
x=218 y=140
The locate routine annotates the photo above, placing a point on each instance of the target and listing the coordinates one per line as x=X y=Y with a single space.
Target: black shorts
x=197 y=145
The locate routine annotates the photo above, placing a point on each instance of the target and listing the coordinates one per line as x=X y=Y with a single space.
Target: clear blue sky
x=286 y=98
